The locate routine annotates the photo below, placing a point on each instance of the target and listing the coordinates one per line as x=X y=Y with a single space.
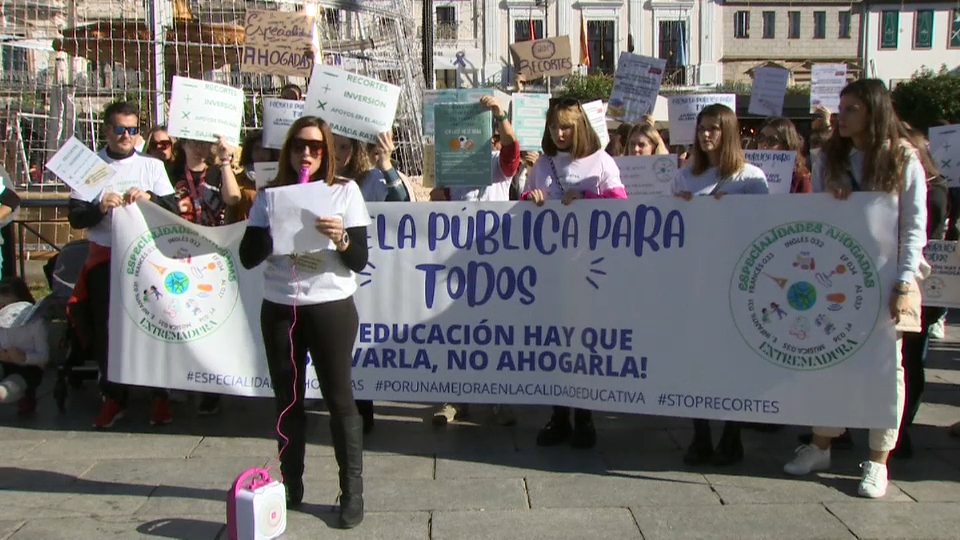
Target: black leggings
x=914 y=352
x=328 y=332
x=98 y=295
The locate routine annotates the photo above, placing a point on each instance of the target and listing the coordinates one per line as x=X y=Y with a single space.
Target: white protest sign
x=683 y=111
x=769 y=89
x=355 y=106
x=562 y=326
x=202 y=110
x=278 y=116
x=826 y=82
x=81 y=169
x=778 y=165
x=294 y=211
x=264 y=172
x=945 y=149
x=596 y=114
x=636 y=83
x=528 y=117
x=942 y=287
x=647 y=176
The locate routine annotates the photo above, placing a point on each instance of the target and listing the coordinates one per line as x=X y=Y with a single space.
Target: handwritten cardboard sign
x=543 y=57
x=279 y=43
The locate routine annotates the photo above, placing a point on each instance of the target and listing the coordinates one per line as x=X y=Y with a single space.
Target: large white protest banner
x=773 y=312
x=778 y=165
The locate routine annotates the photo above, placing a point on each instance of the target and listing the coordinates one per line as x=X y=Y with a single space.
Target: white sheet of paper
x=278 y=116
x=355 y=106
x=293 y=212
x=597 y=115
x=265 y=172
x=777 y=165
x=826 y=82
x=81 y=168
x=647 y=176
x=682 y=111
x=944 y=144
x=201 y=110
x=769 y=89
x=636 y=83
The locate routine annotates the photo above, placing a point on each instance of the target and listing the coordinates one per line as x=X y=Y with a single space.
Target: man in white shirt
x=139 y=177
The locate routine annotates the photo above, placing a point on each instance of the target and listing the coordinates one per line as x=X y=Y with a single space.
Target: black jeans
x=328 y=332
x=914 y=353
x=98 y=295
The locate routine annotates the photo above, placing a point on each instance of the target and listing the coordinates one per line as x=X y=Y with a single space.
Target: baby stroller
x=66 y=352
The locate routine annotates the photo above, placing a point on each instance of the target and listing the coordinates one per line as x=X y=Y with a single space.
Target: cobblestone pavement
x=469 y=481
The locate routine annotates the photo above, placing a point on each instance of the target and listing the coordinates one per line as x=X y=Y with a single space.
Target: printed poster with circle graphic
x=463 y=148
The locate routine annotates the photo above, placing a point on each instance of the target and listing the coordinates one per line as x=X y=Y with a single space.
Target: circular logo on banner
x=805 y=296
x=181 y=286
x=543 y=50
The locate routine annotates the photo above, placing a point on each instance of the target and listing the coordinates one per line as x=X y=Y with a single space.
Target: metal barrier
x=31 y=226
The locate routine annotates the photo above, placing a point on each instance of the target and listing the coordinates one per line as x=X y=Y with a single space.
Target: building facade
x=473 y=37
x=903 y=37
x=790 y=34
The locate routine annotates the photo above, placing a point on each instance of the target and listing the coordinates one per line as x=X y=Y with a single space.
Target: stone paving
x=61 y=480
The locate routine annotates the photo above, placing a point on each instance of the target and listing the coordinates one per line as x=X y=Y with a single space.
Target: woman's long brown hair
x=286 y=175
x=731 y=153
x=584 y=140
x=359 y=162
x=885 y=158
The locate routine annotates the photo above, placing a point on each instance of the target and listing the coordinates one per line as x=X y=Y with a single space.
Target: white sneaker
x=809 y=458
x=938 y=330
x=873 y=483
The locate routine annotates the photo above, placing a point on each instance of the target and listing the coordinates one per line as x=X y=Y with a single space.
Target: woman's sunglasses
x=120 y=130
x=768 y=141
x=299 y=145
x=161 y=145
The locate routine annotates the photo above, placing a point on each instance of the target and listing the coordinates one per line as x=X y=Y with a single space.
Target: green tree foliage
x=928 y=97
x=586 y=87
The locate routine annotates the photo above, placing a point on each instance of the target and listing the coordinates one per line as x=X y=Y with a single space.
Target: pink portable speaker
x=256 y=506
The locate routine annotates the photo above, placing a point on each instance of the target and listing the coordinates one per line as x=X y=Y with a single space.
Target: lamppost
x=427 y=43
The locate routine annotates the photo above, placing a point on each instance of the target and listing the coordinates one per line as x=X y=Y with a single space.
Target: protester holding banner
x=573 y=166
x=204 y=193
x=779 y=133
x=915 y=344
x=717 y=167
x=138 y=178
x=644 y=140
x=506 y=164
x=310 y=308
x=869 y=152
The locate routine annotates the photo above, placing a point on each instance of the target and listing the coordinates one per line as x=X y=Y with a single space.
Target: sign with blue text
x=203 y=110
x=772 y=312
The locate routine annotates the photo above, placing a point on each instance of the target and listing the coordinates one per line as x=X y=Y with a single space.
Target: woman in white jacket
x=23 y=346
x=869 y=151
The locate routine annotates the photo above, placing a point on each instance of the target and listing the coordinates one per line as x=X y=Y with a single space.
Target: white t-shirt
x=748 y=180
x=596 y=174
x=498 y=190
x=320 y=276
x=140 y=171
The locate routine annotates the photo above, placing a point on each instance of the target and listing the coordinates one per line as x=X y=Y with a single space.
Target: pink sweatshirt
x=596 y=176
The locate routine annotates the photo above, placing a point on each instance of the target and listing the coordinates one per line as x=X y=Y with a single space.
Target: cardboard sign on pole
x=549 y=57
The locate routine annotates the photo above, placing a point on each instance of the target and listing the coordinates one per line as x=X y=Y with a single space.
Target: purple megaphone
x=304 y=175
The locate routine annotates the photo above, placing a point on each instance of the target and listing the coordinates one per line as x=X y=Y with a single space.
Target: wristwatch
x=901 y=287
x=344 y=242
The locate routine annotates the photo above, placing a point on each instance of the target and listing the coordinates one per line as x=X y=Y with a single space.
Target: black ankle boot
x=557 y=429
x=347 y=435
x=366 y=411
x=584 y=433
x=730 y=449
x=700 y=450
x=294 y=489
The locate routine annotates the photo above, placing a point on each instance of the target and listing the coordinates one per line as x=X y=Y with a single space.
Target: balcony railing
x=446 y=31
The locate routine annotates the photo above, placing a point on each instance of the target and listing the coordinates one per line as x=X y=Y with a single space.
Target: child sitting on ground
x=23 y=345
